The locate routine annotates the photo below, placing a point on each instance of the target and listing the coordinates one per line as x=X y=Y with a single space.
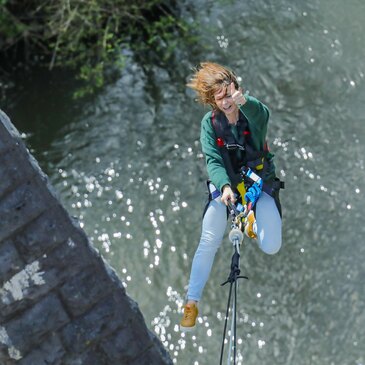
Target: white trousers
x=213 y=228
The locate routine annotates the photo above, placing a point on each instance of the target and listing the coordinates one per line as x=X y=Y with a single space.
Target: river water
x=128 y=164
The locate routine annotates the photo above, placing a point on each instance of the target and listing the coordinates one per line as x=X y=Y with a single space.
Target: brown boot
x=190 y=314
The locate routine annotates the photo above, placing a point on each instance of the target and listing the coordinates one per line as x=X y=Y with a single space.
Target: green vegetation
x=87 y=36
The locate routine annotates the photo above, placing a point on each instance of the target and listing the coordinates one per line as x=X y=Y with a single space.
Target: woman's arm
x=256 y=112
x=215 y=166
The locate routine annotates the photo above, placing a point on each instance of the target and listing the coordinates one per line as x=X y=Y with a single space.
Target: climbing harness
x=239 y=154
x=237 y=148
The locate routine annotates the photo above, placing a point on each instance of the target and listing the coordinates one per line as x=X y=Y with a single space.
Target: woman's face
x=224 y=101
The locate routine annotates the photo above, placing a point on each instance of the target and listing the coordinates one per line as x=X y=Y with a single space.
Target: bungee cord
x=236 y=237
x=239 y=216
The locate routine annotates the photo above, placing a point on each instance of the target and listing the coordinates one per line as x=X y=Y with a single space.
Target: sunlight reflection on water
x=132 y=172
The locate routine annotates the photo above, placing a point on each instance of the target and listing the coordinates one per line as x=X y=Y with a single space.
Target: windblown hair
x=208 y=79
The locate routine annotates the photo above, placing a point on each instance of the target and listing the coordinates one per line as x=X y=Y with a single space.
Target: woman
x=233 y=136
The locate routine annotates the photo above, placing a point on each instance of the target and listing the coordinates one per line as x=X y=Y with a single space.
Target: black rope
x=232 y=279
x=235 y=323
x=225 y=323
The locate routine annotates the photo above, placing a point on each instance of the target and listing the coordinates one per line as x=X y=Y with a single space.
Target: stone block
x=10 y=138
x=43 y=234
x=105 y=318
x=20 y=207
x=16 y=167
x=82 y=291
x=41 y=276
x=33 y=327
x=155 y=355
x=4 y=144
x=92 y=356
x=8 y=133
x=5 y=358
x=49 y=352
x=127 y=343
x=10 y=262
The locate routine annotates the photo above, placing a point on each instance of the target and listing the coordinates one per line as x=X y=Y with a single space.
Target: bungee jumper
x=233 y=139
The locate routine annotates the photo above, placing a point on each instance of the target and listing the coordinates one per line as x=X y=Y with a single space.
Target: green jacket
x=257 y=115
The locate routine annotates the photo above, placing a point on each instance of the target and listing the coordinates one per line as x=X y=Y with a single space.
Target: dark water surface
x=129 y=165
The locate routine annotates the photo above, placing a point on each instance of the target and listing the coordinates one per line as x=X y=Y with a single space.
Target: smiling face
x=224 y=102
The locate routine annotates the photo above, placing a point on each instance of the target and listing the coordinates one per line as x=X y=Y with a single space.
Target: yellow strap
x=242 y=190
x=261 y=166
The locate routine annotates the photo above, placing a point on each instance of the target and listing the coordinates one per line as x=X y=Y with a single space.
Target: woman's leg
x=213 y=228
x=268 y=222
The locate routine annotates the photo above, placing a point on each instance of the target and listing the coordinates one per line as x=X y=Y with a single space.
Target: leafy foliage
x=86 y=35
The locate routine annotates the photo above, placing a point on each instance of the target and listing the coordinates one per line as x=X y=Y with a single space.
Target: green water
x=129 y=165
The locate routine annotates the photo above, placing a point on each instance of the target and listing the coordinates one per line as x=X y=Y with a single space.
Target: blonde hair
x=208 y=79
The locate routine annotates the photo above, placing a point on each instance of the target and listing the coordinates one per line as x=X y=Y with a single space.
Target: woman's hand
x=227 y=194
x=237 y=95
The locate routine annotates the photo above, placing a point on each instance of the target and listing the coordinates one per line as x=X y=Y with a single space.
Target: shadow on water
x=129 y=165
x=41 y=104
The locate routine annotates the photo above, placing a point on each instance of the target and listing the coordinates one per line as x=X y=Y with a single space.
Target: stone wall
x=60 y=303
